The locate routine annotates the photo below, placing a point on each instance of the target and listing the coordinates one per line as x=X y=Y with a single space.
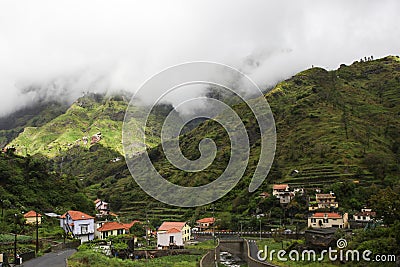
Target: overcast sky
x=66 y=47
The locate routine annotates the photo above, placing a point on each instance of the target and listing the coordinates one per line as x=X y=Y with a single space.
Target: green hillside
x=87 y=116
x=31 y=116
x=339 y=129
x=331 y=125
x=30 y=182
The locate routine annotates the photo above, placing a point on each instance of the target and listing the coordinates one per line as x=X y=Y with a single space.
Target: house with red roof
x=328 y=220
x=205 y=223
x=282 y=192
x=107 y=229
x=80 y=225
x=30 y=217
x=173 y=234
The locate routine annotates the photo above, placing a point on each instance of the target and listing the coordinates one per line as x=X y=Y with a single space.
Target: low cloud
x=57 y=50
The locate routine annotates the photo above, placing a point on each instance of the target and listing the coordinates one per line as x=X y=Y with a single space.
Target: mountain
x=32 y=116
x=339 y=129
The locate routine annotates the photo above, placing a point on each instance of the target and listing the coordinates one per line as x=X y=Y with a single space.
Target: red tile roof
x=165 y=226
x=280 y=186
x=328 y=215
x=173 y=230
x=206 y=220
x=31 y=214
x=76 y=215
x=129 y=225
x=109 y=226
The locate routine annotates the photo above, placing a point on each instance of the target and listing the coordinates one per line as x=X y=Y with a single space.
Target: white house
x=366 y=215
x=78 y=224
x=328 y=220
x=173 y=234
x=282 y=192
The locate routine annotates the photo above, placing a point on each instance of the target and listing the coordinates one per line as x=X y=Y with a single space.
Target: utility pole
x=213 y=215
x=2 y=209
x=37 y=233
x=15 y=240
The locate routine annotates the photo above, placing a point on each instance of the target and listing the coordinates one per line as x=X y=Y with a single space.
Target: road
x=52 y=259
x=253 y=249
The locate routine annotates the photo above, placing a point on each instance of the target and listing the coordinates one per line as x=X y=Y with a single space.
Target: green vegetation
x=90 y=258
x=339 y=129
x=33 y=116
x=30 y=183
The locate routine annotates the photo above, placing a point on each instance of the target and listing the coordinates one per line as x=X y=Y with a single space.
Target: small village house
x=324 y=201
x=80 y=225
x=30 y=217
x=205 y=223
x=264 y=195
x=366 y=215
x=102 y=207
x=171 y=234
x=282 y=192
x=95 y=138
x=107 y=229
x=328 y=220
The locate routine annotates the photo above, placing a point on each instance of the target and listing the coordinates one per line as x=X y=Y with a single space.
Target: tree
x=224 y=220
x=386 y=203
x=138 y=230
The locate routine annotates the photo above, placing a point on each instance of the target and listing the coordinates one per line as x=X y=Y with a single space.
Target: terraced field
x=320 y=175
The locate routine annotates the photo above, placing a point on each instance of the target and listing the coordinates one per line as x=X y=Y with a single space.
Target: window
x=171 y=239
x=84 y=229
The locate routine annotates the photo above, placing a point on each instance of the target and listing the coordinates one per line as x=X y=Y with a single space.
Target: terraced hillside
x=333 y=126
x=319 y=176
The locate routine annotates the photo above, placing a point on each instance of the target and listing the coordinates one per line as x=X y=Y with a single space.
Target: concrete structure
x=328 y=220
x=78 y=224
x=321 y=238
x=173 y=234
x=245 y=250
x=30 y=217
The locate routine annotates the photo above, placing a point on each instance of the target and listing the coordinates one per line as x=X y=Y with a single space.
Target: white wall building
x=78 y=224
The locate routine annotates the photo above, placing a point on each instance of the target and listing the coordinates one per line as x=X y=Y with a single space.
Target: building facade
x=78 y=224
x=173 y=234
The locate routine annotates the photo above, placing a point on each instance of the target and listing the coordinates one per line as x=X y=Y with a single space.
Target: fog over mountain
x=57 y=50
